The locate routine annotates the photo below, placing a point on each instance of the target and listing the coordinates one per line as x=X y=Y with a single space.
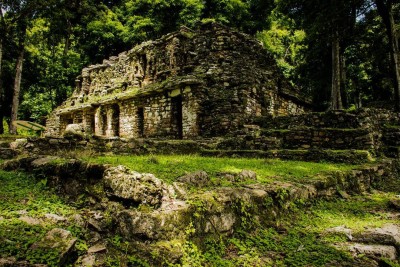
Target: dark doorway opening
x=92 y=123
x=140 y=122
x=115 y=120
x=103 y=120
x=176 y=103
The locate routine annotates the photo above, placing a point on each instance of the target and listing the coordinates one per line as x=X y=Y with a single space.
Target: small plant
x=136 y=262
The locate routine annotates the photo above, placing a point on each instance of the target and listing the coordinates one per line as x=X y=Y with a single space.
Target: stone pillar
x=190 y=109
x=88 y=121
x=98 y=123
x=109 y=131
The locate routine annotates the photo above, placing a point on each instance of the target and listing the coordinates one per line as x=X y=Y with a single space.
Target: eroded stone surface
x=74 y=131
x=389 y=234
x=375 y=251
x=18 y=143
x=156 y=225
x=97 y=249
x=133 y=186
x=199 y=178
x=246 y=175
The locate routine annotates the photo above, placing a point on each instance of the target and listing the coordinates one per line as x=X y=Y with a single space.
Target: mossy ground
x=170 y=167
x=23 y=196
x=299 y=239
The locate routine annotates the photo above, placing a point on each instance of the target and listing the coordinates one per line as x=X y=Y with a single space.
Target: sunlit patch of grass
x=357 y=214
x=169 y=167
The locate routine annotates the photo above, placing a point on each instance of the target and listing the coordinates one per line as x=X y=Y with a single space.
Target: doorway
x=115 y=120
x=177 y=124
x=140 y=122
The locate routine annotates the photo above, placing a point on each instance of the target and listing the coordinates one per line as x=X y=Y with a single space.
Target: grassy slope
x=169 y=168
x=300 y=240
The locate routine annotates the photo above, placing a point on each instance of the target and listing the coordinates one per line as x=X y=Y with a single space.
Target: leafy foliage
x=60 y=40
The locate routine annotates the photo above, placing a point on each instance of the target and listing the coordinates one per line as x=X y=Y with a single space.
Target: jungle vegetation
x=342 y=54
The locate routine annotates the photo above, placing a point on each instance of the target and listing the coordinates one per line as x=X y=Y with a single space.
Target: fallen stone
x=389 y=234
x=7 y=153
x=30 y=220
x=198 y=178
x=55 y=217
x=74 y=131
x=180 y=190
x=246 y=175
x=18 y=143
x=58 y=240
x=78 y=220
x=95 y=225
x=222 y=223
x=395 y=203
x=156 y=225
x=341 y=230
x=86 y=261
x=131 y=186
x=227 y=176
x=374 y=251
x=37 y=163
x=96 y=249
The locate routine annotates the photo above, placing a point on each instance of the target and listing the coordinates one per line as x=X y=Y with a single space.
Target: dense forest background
x=339 y=53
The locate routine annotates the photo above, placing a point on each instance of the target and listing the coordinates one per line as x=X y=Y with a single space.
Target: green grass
x=169 y=168
x=23 y=195
x=357 y=214
x=303 y=239
x=22 y=192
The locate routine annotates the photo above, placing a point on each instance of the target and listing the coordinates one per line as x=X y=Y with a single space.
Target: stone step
x=333 y=119
x=336 y=156
x=5 y=144
x=249 y=143
x=7 y=153
x=325 y=138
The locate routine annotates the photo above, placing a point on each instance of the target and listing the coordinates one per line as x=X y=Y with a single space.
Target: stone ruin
x=187 y=84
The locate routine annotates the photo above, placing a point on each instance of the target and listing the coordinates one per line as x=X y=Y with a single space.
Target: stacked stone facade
x=188 y=84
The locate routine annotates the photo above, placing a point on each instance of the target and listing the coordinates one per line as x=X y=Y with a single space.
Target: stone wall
x=206 y=82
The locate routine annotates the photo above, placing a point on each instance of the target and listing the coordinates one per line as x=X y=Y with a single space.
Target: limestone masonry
x=188 y=84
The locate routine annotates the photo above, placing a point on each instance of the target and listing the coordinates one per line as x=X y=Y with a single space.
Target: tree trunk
x=385 y=9
x=336 y=98
x=3 y=27
x=1 y=88
x=17 y=87
x=343 y=77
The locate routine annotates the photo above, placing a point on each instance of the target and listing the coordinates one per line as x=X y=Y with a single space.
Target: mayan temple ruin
x=191 y=83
